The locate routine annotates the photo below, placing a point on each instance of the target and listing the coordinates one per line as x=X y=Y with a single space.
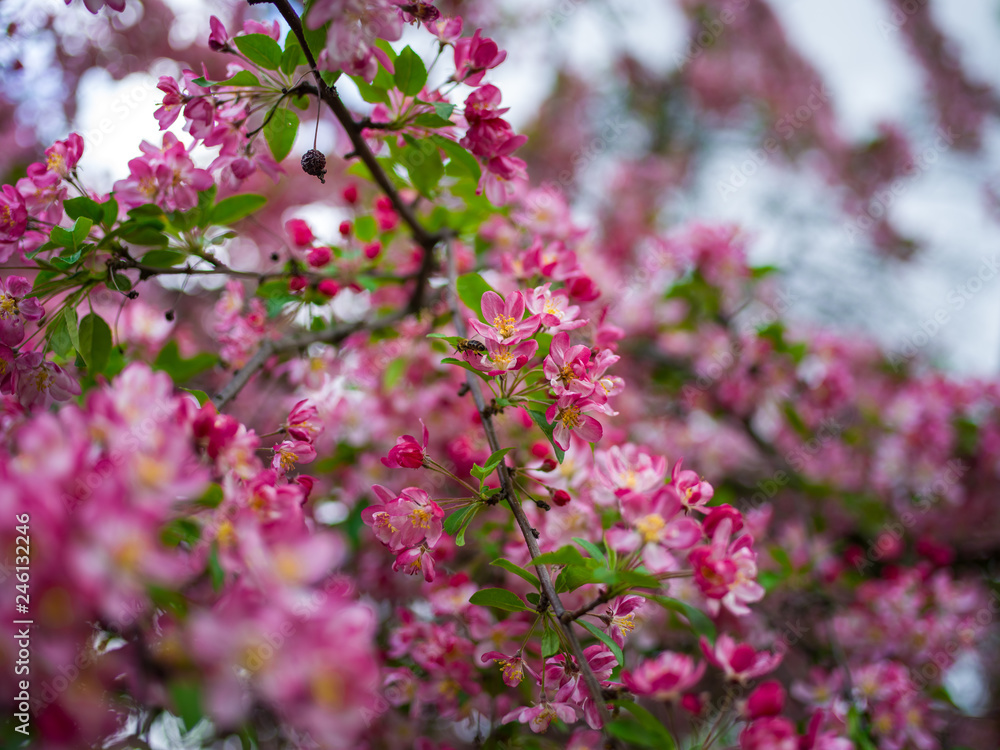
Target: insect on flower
x=470 y=345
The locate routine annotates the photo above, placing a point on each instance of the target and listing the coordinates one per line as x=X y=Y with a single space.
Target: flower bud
x=561 y=497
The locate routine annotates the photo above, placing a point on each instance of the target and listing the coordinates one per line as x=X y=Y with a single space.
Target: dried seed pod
x=314 y=163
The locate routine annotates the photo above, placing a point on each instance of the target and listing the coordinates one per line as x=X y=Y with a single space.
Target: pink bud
x=691 y=703
x=329 y=287
x=549 y=464
x=717 y=515
x=372 y=250
x=351 y=194
x=296 y=284
x=345 y=228
x=300 y=232
x=561 y=497
x=766 y=700
x=540 y=449
x=319 y=257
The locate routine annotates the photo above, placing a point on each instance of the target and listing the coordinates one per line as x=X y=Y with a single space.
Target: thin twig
x=589 y=679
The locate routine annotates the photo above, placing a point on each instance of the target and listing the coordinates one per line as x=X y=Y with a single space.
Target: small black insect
x=470 y=345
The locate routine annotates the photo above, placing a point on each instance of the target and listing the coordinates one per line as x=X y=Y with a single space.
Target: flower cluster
x=409 y=524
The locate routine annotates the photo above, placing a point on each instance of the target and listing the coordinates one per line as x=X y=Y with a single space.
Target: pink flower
x=567 y=414
x=164 y=176
x=445 y=29
x=620 y=617
x=416 y=561
x=95 y=5
x=474 y=56
x=350 y=41
x=657 y=521
x=666 y=677
x=772 y=733
x=739 y=661
x=302 y=236
x=291 y=452
x=303 y=422
x=554 y=308
x=172 y=102
x=13 y=214
x=504 y=322
x=483 y=104
x=628 y=467
x=39 y=382
x=566 y=366
x=501 y=358
x=404 y=521
x=539 y=717
x=218 y=40
x=512 y=666
x=15 y=308
x=63 y=156
x=767 y=699
x=727 y=571
x=692 y=491
x=407 y=453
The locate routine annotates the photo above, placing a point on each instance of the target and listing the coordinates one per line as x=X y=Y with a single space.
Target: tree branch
x=589 y=679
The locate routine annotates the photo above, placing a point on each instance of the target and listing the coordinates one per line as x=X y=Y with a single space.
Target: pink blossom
x=767 y=699
x=692 y=491
x=567 y=366
x=620 y=617
x=539 y=717
x=512 y=666
x=63 y=156
x=406 y=520
x=503 y=317
x=291 y=452
x=95 y=5
x=656 y=520
x=726 y=571
x=219 y=39
x=350 y=42
x=43 y=192
x=474 y=56
x=407 y=453
x=416 y=561
x=628 y=467
x=569 y=417
x=39 y=382
x=554 y=308
x=303 y=422
x=15 y=308
x=445 y=29
x=164 y=176
x=664 y=678
x=771 y=733
x=13 y=214
x=171 y=105
x=502 y=358
x=739 y=661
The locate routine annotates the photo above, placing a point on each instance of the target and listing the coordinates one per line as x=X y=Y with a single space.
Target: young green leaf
x=605 y=639
x=411 y=73
x=260 y=49
x=236 y=207
x=549 y=430
x=592 y=549
x=699 y=622
x=499 y=599
x=280 y=132
x=516 y=570
x=550 y=642
x=566 y=555
x=471 y=287
x=95 y=342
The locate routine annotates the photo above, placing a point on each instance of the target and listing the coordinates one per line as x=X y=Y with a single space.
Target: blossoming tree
x=463 y=474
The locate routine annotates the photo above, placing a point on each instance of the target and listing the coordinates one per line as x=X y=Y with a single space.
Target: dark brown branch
x=510 y=495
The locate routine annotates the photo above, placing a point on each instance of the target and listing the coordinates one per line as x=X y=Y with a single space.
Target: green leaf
x=280 y=132
x=550 y=642
x=650 y=724
x=315 y=38
x=411 y=73
x=72 y=326
x=163 y=258
x=200 y=395
x=456 y=523
x=186 y=697
x=144 y=235
x=443 y=110
x=61 y=237
x=180 y=530
x=95 y=342
x=365 y=228
x=169 y=360
x=465 y=366
x=499 y=599
x=59 y=339
x=260 y=49
x=605 y=639
x=699 y=622
x=81 y=229
x=573 y=577
x=424 y=166
x=592 y=549
x=110 y=210
x=217 y=574
x=516 y=570
x=494 y=460
x=431 y=120
x=83 y=206
x=236 y=207
x=370 y=92
x=393 y=372
x=632 y=732
x=566 y=555
x=471 y=287
x=292 y=57
x=549 y=431
x=459 y=155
